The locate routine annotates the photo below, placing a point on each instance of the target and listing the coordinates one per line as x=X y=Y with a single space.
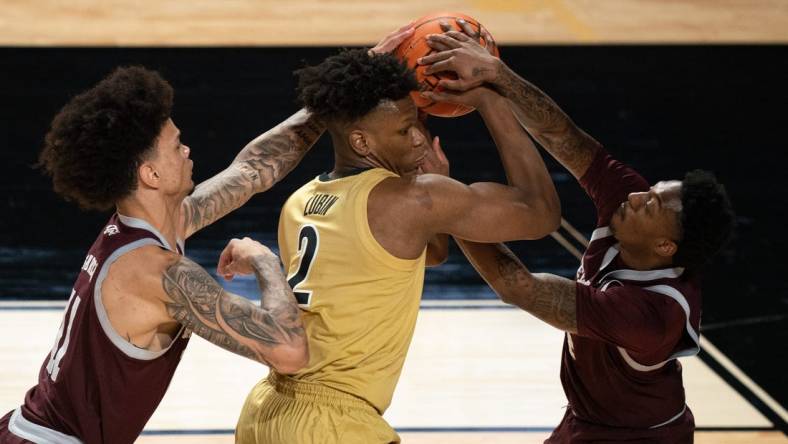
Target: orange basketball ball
x=416 y=46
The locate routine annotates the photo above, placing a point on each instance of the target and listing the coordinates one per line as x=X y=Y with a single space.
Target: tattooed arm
x=262 y=163
x=537 y=112
x=272 y=333
x=547 y=122
x=549 y=297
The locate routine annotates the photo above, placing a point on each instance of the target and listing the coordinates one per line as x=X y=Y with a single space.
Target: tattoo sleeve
x=549 y=125
x=262 y=163
x=549 y=297
x=233 y=322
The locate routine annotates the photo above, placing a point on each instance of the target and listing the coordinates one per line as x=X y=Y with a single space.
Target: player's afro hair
x=99 y=138
x=707 y=219
x=348 y=85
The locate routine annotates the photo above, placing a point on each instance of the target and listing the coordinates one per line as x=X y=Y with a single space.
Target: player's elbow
x=538 y=219
x=552 y=219
x=290 y=359
x=547 y=208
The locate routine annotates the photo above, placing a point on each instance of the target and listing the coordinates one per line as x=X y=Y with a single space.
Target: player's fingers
x=225 y=257
x=435 y=96
x=229 y=271
x=467 y=29
x=439 y=45
x=450 y=97
x=445 y=26
x=402 y=35
x=455 y=85
x=436 y=146
x=406 y=26
x=445 y=65
x=446 y=39
x=391 y=42
x=430 y=155
x=457 y=36
x=225 y=269
x=488 y=40
x=436 y=57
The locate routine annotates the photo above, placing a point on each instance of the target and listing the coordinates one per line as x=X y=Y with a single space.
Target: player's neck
x=345 y=164
x=161 y=213
x=643 y=260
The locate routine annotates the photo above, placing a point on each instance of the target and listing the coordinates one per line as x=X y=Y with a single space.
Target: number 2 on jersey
x=308 y=242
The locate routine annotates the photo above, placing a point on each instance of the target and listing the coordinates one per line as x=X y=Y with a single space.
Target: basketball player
x=355 y=242
x=635 y=304
x=137 y=299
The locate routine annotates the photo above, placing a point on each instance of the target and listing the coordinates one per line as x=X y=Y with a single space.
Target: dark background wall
x=663 y=109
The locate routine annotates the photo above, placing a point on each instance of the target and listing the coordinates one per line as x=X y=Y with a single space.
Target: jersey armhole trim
x=120 y=342
x=366 y=237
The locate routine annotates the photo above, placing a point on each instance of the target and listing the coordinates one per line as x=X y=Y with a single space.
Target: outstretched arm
x=530 y=201
x=549 y=297
x=263 y=162
x=537 y=112
x=272 y=333
x=552 y=128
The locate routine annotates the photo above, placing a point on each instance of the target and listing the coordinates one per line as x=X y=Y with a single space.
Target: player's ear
x=665 y=247
x=358 y=142
x=148 y=175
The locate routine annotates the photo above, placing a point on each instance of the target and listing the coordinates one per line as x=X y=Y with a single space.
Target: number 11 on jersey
x=308 y=243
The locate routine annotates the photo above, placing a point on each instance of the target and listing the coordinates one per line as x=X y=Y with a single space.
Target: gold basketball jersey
x=359 y=302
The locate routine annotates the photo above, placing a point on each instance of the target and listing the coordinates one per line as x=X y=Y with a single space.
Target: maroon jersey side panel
x=94 y=385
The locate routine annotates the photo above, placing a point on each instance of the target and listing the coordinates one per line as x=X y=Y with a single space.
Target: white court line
x=706 y=345
x=33 y=304
x=742 y=377
x=427 y=303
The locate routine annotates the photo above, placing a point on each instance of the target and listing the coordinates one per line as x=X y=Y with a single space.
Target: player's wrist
x=490 y=100
x=265 y=263
x=494 y=75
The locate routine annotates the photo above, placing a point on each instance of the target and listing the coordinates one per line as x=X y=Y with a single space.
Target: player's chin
x=614 y=222
x=189 y=189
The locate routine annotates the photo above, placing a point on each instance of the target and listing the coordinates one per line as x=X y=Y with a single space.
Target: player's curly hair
x=100 y=137
x=348 y=85
x=707 y=219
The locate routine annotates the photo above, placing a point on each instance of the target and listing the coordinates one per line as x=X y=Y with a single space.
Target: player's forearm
x=276 y=152
x=276 y=296
x=263 y=162
x=547 y=122
x=273 y=335
x=548 y=297
x=523 y=164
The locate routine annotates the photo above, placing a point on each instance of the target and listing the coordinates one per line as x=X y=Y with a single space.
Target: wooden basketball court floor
x=477 y=372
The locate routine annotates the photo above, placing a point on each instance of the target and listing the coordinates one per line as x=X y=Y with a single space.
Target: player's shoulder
x=142 y=267
x=661 y=300
x=421 y=189
x=399 y=195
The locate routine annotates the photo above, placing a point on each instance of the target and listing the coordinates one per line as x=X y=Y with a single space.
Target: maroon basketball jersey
x=94 y=386
x=620 y=372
